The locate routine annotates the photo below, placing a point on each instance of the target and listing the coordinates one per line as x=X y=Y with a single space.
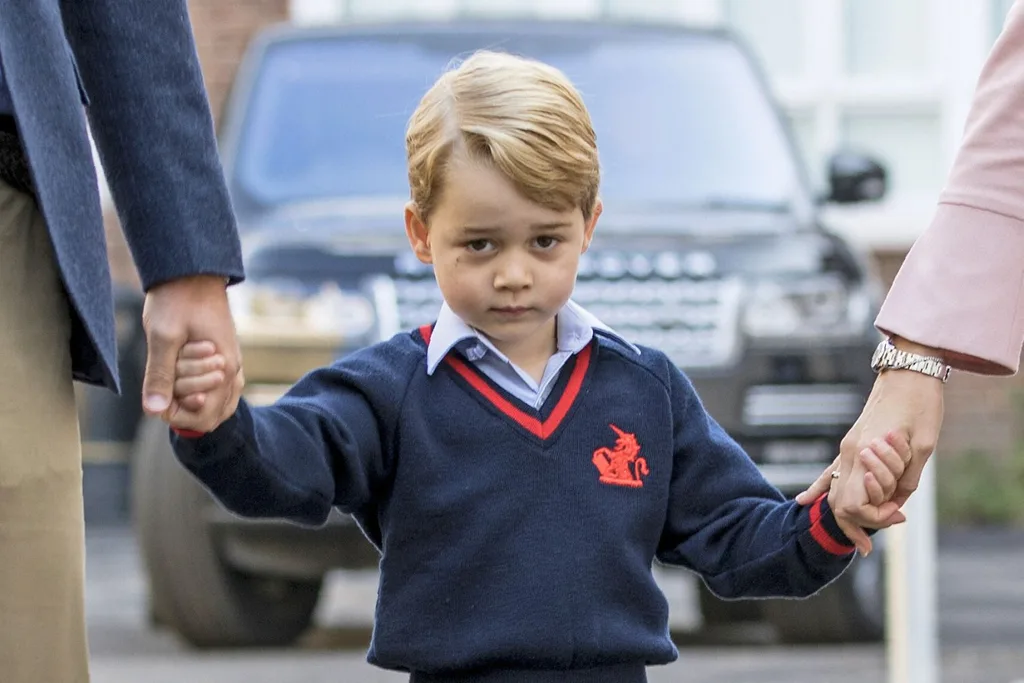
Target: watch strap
x=889 y=357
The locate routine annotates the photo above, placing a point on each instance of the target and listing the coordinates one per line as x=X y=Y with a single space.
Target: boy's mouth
x=511 y=311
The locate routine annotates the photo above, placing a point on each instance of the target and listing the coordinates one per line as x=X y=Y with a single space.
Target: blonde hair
x=523 y=116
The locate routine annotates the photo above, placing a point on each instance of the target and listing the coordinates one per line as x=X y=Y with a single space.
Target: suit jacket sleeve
x=960 y=287
x=151 y=121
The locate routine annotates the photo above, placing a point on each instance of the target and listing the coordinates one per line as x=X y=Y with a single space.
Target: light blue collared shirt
x=574 y=329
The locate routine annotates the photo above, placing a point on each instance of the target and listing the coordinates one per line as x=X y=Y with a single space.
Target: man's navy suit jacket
x=130 y=67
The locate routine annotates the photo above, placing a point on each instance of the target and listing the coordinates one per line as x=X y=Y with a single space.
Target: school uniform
x=517 y=535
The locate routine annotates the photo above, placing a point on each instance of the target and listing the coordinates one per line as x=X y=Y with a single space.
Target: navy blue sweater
x=513 y=538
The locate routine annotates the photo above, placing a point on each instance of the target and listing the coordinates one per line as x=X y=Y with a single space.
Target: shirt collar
x=448 y=331
x=575 y=329
x=575 y=321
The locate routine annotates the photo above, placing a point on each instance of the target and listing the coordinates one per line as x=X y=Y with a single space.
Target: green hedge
x=979 y=488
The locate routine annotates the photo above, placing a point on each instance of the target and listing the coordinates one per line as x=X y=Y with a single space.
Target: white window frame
x=962 y=37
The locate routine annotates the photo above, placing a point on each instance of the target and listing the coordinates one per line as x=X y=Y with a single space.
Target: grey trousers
x=42 y=530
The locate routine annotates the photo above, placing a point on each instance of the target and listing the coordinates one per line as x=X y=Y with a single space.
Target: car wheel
x=849 y=610
x=192 y=590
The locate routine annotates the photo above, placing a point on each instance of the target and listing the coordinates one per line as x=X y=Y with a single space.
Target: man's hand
x=176 y=312
x=903 y=405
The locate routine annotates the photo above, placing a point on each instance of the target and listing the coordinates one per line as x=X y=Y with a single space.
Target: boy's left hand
x=884 y=461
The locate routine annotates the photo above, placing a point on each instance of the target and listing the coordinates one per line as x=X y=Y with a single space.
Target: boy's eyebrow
x=478 y=230
x=556 y=225
x=484 y=230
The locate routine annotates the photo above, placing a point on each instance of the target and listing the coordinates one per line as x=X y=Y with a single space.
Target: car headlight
x=818 y=306
x=279 y=309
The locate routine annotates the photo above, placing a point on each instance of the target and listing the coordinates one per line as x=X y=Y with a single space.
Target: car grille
x=772 y=405
x=693 y=320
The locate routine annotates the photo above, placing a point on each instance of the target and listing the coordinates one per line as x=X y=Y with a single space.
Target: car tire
x=192 y=590
x=851 y=609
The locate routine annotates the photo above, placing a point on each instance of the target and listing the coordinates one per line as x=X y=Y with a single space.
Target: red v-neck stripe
x=531 y=423
x=528 y=422
x=571 y=391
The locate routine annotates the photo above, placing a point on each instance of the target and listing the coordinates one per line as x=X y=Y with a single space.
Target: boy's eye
x=478 y=246
x=546 y=241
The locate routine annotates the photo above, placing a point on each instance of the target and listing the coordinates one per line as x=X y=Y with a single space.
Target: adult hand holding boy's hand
x=175 y=313
x=879 y=468
x=905 y=409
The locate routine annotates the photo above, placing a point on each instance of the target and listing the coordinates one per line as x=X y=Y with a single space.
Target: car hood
x=344 y=245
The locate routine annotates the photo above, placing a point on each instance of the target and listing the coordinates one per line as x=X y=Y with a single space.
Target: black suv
x=710 y=248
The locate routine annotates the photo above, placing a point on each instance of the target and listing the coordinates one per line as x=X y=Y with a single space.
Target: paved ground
x=981 y=584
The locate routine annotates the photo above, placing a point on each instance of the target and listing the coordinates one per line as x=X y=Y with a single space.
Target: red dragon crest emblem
x=621 y=465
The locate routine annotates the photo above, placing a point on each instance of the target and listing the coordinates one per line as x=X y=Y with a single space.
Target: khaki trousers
x=42 y=529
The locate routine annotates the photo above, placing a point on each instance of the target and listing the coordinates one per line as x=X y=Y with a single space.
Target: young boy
x=518 y=464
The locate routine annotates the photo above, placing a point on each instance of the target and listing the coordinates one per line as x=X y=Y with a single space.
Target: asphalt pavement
x=981 y=612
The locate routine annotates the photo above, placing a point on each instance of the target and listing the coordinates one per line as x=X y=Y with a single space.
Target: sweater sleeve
x=324 y=444
x=728 y=524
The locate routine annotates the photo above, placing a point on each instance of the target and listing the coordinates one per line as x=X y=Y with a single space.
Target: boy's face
x=504 y=264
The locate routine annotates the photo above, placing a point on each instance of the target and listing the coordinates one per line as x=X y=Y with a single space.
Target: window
x=998 y=9
x=564 y=8
x=393 y=9
x=887 y=37
x=519 y=8
x=804 y=128
x=774 y=30
x=327 y=118
x=906 y=143
x=640 y=9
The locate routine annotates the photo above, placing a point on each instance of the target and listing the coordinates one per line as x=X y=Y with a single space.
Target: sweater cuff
x=194 y=448
x=825 y=530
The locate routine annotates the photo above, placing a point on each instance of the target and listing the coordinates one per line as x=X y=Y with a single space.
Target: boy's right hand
x=198 y=370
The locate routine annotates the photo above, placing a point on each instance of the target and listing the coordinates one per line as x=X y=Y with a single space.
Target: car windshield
x=681 y=120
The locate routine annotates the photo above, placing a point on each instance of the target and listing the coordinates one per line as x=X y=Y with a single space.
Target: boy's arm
x=727 y=523
x=324 y=444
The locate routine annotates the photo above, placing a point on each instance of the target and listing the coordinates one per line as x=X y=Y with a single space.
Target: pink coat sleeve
x=960 y=288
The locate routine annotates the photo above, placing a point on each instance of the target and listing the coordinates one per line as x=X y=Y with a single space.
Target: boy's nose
x=512 y=275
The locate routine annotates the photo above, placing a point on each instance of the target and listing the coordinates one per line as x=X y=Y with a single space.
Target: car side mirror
x=855 y=178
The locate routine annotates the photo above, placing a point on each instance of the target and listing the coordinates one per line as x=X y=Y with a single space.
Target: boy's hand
x=884 y=461
x=198 y=370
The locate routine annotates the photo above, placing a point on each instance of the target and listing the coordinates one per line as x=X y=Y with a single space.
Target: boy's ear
x=588 y=227
x=416 y=231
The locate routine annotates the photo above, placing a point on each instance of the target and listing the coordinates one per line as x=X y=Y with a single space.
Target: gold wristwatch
x=888 y=357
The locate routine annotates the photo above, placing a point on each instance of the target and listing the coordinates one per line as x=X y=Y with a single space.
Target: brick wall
x=222 y=29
